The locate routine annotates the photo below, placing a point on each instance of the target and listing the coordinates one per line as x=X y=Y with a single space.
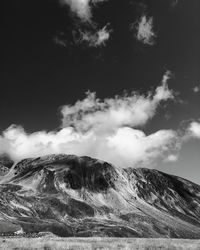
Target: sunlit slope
x=80 y=196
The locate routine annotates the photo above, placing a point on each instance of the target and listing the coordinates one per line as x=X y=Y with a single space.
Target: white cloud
x=95 y=39
x=171 y=158
x=145 y=32
x=193 y=130
x=104 y=129
x=196 y=89
x=86 y=31
x=82 y=8
x=134 y=148
x=111 y=113
x=124 y=147
x=168 y=74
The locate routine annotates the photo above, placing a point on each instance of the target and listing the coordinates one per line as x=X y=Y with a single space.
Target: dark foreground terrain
x=72 y=196
x=98 y=244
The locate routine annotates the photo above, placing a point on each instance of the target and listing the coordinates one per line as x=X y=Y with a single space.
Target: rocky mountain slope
x=5 y=164
x=80 y=196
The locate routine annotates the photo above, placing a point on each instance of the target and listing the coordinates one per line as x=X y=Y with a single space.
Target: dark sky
x=38 y=75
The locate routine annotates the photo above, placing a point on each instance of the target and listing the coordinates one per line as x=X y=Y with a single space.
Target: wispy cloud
x=95 y=39
x=61 y=42
x=190 y=131
x=112 y=113
x=174 y=3
x=87 y=31
x=145 y=32
x=109 y=129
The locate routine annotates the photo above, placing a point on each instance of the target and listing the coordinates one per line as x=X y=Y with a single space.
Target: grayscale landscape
x=100 y=125
x=70 y=196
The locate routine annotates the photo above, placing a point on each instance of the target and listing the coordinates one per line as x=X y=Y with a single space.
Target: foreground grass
x=51 y=243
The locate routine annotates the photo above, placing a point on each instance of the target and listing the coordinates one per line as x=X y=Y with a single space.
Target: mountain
x=5 y=164
x=80 y=196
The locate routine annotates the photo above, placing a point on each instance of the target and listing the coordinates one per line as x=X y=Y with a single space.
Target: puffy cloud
x=19 y=144
x=133 y=147
x=79 y=7
x=82 y=8
x=196 y=89
x=124 y=147
x=193 y=130
x=171 y=158
x=145 y=32
x=104 y=129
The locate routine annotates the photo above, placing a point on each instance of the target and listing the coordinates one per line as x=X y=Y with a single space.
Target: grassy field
x=48 y=243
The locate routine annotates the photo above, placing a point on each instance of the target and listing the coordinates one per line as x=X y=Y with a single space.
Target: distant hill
x=80 y=196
